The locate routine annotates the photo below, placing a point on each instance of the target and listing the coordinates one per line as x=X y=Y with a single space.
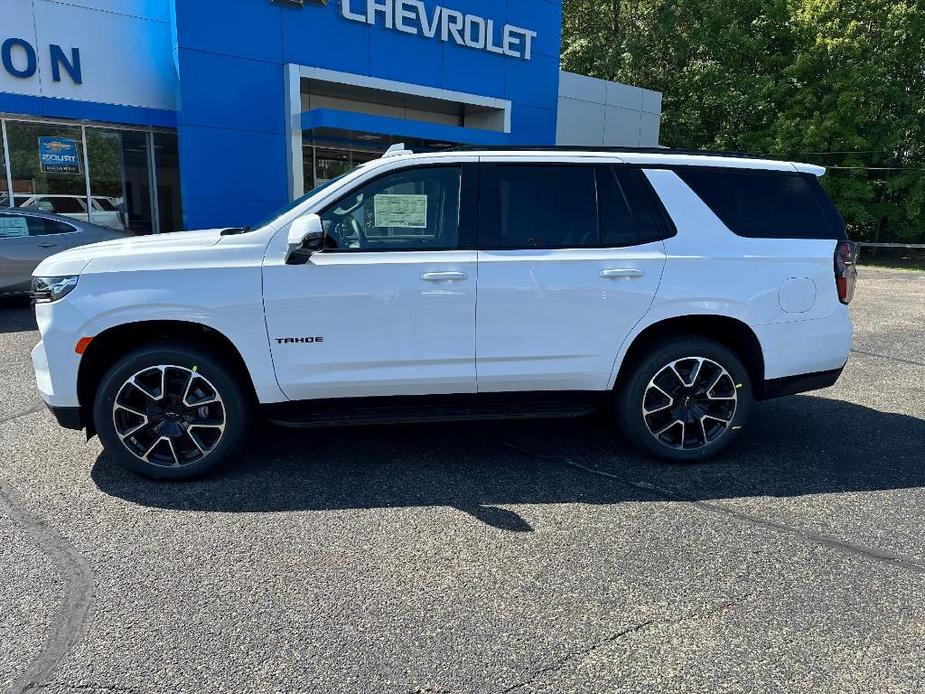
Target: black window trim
x=468 y=204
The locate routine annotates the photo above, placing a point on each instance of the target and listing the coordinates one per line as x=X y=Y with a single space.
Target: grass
x=892 y=265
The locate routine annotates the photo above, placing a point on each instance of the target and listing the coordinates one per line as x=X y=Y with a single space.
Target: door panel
x=385 y=328
x=388 y=308
x=554 y=320
x=554 y=303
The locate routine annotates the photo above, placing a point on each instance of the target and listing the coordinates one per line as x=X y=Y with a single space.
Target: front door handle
x=443 y=276
x=47 y=245
x=622 y=273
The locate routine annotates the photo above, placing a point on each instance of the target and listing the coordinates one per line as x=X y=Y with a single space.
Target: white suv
x=673 y=287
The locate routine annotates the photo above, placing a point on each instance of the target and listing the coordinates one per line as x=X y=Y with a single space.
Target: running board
x=429 y=409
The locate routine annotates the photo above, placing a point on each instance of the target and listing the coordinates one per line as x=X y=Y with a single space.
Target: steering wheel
x=358 y=232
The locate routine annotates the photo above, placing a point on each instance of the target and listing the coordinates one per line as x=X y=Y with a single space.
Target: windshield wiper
x=233 y=231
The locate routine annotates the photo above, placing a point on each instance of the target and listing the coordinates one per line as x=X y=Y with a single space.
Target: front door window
x=413 y=210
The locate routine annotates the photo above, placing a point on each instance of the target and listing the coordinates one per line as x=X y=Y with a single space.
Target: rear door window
x=630 y=212
x=547 y=206
x=766 y=204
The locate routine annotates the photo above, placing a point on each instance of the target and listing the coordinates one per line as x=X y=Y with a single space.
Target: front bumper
x=68 y=417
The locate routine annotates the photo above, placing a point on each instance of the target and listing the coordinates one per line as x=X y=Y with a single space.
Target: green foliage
x=834 y=82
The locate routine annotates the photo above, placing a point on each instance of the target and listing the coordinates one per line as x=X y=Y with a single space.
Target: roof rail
x=397 y=150
x=598 y=148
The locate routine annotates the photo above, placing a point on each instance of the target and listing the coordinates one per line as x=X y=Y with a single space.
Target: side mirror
x=306 y=236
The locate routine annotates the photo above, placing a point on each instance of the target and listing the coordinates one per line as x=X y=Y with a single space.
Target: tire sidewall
x=629 y=401
x=234 y=399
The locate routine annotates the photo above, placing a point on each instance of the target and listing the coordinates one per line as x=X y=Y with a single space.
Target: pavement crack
x=89 y=687
x=576 y=655
x=32 y=410
x=580 y=654
x=841 y=546
x=68 y=624
x=886 y=356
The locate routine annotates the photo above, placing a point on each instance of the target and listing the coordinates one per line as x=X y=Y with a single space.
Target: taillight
x=846 y=270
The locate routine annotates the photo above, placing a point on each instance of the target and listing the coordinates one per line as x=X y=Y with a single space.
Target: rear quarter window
x=767 y=204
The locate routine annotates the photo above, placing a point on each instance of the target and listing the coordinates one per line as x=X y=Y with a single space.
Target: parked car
x=29 y=236
x=106 y=211
x=671 y=288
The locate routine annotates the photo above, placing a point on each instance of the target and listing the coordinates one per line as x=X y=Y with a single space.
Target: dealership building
x=160 y=115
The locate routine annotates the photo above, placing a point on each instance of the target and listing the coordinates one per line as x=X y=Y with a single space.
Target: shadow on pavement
x=794 y=446
x=16 y=315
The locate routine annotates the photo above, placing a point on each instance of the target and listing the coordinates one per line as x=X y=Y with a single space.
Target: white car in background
x=106 y=211
x=670 y=288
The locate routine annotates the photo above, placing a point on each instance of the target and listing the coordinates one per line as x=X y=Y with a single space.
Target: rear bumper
x=799 y=348
x=802 y=383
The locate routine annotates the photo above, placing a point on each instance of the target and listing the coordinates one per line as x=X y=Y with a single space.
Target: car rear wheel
x=171 y=412
x=685 y=401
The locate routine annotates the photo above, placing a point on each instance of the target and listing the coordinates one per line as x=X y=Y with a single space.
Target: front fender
x=226 y=300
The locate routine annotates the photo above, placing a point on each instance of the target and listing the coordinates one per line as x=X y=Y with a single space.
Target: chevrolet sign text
x=412 y=17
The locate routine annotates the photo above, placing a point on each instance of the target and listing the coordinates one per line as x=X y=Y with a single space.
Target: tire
x=200 y=425
x=662 y=414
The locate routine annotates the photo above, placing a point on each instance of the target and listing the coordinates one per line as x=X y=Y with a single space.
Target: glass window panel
x=410 y=210
x=548 y=206
x=119 y=179
x=767 y=204
x=47 y=160
x=19 y=225
x=169 y=198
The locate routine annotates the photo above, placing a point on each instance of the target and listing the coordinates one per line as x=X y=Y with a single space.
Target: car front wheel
x=170 y=412
x=685 y=401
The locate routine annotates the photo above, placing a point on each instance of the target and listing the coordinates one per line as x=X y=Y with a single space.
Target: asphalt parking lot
x=503 y=557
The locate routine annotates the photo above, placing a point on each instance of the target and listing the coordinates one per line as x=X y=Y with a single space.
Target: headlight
x=48 y=289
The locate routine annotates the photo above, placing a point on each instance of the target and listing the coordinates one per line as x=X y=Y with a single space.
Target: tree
x=835 y=82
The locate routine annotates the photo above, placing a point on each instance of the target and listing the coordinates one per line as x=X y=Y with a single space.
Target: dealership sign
x=20 y=59
x=59 y=155
x=443 y=24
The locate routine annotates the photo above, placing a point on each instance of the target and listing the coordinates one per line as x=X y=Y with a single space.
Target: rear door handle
x=47 y=245
x=622 y=273
x=443 y=276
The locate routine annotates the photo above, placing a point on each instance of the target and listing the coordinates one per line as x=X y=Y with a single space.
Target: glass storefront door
x=120 y=189
x=121 y=178
x=321 y=164
x=167 y=161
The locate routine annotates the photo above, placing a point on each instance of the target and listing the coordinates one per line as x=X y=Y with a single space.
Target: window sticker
x=400 y=211
x=13 y=227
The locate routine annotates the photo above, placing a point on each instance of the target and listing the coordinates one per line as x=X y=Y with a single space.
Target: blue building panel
x=225 y=164
x=243 y=28
x=231 y=92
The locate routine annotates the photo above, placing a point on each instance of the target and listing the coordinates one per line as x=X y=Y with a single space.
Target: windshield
x=295 y=203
